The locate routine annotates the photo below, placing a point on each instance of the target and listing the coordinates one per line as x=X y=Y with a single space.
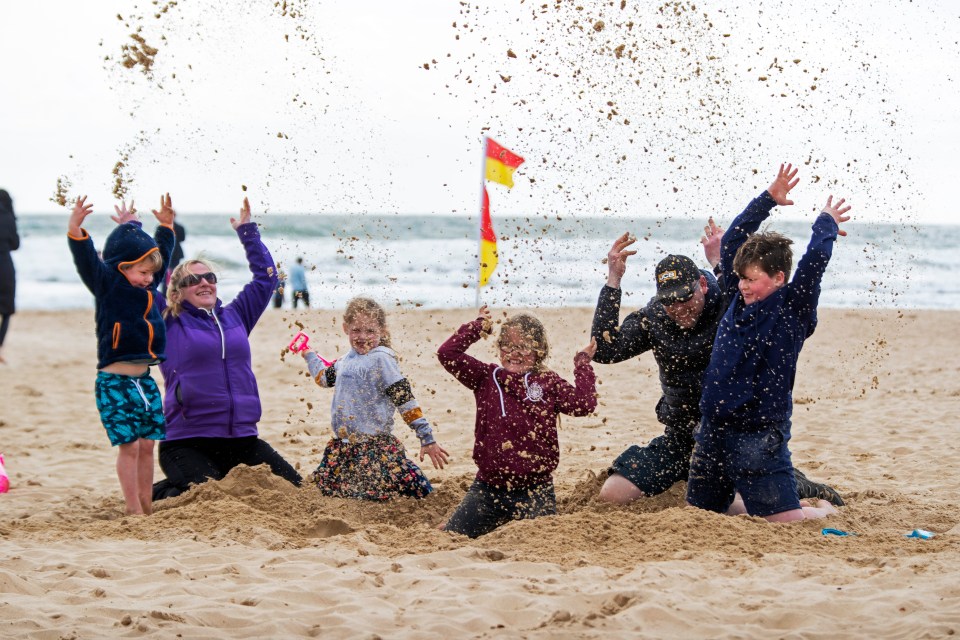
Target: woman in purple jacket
x=211 y=401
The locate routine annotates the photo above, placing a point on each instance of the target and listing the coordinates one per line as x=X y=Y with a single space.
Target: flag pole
x=483 y=179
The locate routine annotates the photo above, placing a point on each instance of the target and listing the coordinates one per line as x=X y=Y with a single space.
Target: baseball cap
x=677 y=279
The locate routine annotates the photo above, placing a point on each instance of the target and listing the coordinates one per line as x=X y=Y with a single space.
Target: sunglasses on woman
x=193 y=279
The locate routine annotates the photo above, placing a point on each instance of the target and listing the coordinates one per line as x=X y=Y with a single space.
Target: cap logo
x=667 y=276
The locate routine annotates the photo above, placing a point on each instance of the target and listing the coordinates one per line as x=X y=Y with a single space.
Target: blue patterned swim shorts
x=130 y=407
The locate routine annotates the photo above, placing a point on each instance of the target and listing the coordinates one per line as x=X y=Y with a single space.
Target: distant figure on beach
x=278 y=290
x=747 y=402
x=364 y=459
x=9 y=241
x=298 y=284
x=178 y=255
x=518 y=404
x=211 y=401
x=678 y=325
x=130 y=337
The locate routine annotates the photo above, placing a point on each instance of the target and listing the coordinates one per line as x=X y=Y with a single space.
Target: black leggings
x=4 y=325
x=195 y=460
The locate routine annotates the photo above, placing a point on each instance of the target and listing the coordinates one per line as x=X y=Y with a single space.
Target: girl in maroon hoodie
x=518 y=402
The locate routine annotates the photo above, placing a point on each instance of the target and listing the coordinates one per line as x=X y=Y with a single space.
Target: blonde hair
x=152 y=260
x=371 y=308
x=175 y=289
x=531 y=332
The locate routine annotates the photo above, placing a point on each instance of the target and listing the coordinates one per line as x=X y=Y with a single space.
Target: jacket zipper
x=226 y=376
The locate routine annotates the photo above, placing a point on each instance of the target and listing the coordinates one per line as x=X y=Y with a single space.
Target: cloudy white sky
x=621 y=109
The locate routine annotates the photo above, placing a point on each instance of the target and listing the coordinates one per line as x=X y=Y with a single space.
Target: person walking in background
x=298 y=283
x=177 y=258
x=9 y=241
x=278 y=291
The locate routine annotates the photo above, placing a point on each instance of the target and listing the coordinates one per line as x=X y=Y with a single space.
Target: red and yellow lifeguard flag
x=488 y=242
x=501 y=163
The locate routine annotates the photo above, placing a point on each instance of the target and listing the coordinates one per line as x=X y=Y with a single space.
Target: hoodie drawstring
x=503 y=408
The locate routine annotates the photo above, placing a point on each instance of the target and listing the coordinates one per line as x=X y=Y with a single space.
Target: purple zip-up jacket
x=516 y=428
x=211 y=391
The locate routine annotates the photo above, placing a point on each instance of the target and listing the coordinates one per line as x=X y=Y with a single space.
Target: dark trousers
x=195 y=460
x=4 y=325
x=486 y=507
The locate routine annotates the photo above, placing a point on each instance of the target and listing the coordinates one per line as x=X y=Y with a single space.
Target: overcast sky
x=633 y=109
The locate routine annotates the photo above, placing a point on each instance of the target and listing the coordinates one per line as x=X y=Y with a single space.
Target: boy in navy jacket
x=130 y=337
x=741 y=443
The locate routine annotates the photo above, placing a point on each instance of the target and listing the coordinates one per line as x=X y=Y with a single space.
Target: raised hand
x=123 y=213
x=166 y=214
x=785 y=181
x=486 y=326
x=80 y=212
x=590 y=349
x=837 y=212
x=617 y=259
x=244 y=215
x=712 y=234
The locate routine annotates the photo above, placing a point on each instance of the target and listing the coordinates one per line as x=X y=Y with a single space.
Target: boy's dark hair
x=769 y=250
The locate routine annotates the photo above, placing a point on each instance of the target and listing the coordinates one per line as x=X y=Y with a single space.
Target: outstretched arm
x=805 y=286
x=617 y=259
x=580 y=398
x=85 y=258
x=252 y=301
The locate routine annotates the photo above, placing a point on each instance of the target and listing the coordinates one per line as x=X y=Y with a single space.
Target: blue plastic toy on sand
x=923 y=534
x=835 y=532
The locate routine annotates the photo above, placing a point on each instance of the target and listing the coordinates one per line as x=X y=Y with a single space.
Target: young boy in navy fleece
x=741 y=444
x=131 y=336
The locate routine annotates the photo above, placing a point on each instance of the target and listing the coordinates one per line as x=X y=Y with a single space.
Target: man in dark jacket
x=679 y=325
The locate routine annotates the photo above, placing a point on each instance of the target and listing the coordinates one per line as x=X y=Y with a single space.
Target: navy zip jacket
x=681 y=354
x=129 y=325
x=749 y=383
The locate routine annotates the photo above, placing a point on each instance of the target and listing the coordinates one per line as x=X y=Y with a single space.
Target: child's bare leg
x=737 y=508
x=145 y=475
x=127 y=467
x=618 y=490
x=821 y=510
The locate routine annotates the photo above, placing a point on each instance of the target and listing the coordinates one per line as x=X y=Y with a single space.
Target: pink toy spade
x=301 y=342
x=4 y=478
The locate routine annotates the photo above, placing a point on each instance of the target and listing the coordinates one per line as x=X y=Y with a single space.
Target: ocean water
x=431 y=260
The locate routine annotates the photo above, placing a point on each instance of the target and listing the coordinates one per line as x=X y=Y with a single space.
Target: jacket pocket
x=116 y=335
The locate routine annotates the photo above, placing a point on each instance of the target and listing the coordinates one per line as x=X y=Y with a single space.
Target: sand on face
x=252 y=556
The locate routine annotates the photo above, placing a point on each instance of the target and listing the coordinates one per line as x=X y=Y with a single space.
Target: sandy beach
x=876 y=398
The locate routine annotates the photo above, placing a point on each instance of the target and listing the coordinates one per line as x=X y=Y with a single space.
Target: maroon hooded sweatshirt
x=516 y=429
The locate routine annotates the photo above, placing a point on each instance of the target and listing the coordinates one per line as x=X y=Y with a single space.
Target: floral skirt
x=369 y=468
